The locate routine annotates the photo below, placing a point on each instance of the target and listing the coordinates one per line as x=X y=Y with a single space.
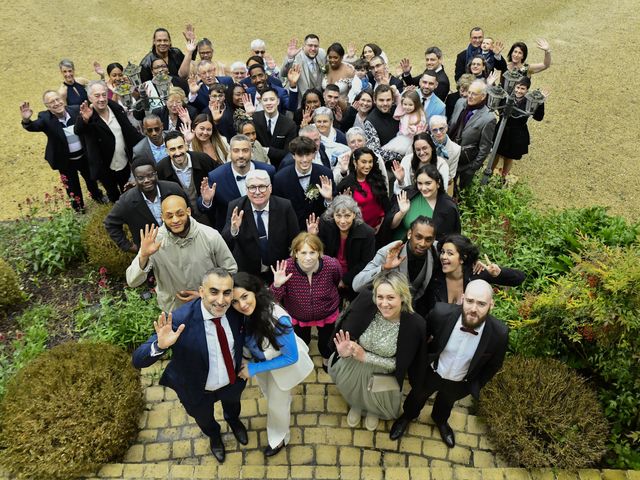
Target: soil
x=583 y=153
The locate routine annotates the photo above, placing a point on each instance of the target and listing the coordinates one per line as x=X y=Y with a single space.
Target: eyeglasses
x=142 y=178
x=438 y=129
x=259 y=52
x=257 y=188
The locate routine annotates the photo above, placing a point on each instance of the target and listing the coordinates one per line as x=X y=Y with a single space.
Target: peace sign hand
x=164 y=330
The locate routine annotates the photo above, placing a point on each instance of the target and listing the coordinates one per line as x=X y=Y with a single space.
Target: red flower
x=103 y=271
x=2 y=337
x=102 y=283
x=593 y=281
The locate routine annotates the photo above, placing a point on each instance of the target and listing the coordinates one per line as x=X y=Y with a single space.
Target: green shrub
x=70 y=410
x=540 y=413
x=101 y=250
x=124 y=319
x=10 y=292
x=26 y=343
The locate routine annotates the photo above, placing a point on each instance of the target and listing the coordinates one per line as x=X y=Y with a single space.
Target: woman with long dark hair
x=311 y=99
x=278 y=360
x=423 y=152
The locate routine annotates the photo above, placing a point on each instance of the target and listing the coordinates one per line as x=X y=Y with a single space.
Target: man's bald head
x=175 y=214
x=479 y=287
x=477 y=302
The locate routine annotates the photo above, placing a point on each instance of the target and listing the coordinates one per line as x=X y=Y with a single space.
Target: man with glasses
x=199 y=91
x=312 y=60
x=139 y=206
x=476 y=35
x=379 y=74
x=445 y=147
x=151 y=147
x=259 y=48
x=260 y=227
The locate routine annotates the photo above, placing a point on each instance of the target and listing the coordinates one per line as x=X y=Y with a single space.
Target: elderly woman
x=423 y=152
x=276 y=360
x=345 y=237
x=424 y=197
x=306 y=285
x=72 y=90
x=356 y=138
x=176 y=113
x=446 y=148
x=380 y=341
x=334 y=141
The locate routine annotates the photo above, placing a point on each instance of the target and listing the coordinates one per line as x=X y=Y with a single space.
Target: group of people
x=318 y=195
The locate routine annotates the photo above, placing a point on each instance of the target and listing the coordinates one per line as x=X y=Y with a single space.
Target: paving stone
x=181 y=449
x=326 y=455
x=255 y=457
x=135 y=454
x=314 y=389
x=466 y=473
x=339 y=436
x=476 y=425
x=111 y=471
x=315 y=435
x=561 y=475
x=181 y=472
x=418 y=461
x=258 y=423
x=493 y=474
x=397 y=473
x=156 y=470
x=348 y=455
x=633 y=474
x=205 y=471
x=336 y=404
x=435 y=463
x=329 y=420
x=371 y=458
x=314 y=403
x=154 y=394
x=362 y=438
x=459 y=455
x=589 y=474
x=157 y=451
x=142 y=421
x=434 y=449
x=383 y=441
x=169 y=434
x=420 y=473
x=177 y=417
x=516 y=474
x=467 y=439
x=253 y=471
x=133 y=471
x=349 y=473
x=411 y=445
x=301 y=472
x=201 y=446
x=302 y=454
x=483 y=459
x=277 y=471
x=371 y=473
x=327 y=472
x=441 y=473
x=484 y=443
x=458 y=421
x=390 y=459
x=614 y=475
x=306 y=419
x=157 y=419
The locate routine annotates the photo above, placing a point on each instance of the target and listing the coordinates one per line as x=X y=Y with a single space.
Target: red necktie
x=224 y=346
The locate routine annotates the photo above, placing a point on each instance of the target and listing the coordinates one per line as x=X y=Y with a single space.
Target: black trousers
x=203 y=412
x=324 y=337
x=71 y=182
x=114 y=182
x=449 y=392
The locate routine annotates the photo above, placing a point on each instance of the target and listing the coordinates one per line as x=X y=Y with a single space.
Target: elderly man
x=380 y=126
x=273 y=129
x=64 y=150
x=228 y=182
x=260 y=227
x=445 y=147
x=311 y=58
x=179 y=252
x=151 y=147
x=433 y=61
x=108 y=137
x=199 y=90
x=139 y=206
x=466 y=350
x=472 y=126
x=161 y=48
x=259 y=48
x=206 y=337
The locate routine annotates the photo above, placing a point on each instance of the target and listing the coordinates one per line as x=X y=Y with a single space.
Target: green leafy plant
x=10 y=292
x=540 y=413
x=70 y=410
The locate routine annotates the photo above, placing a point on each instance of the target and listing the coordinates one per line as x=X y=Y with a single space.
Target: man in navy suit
x=308 y=186
x=227 y=182
x=261 y=82
x=199 y=91
x=64 y=150
x=206 y=338
x=466 y=348
x=321 y=158
x=273 y=129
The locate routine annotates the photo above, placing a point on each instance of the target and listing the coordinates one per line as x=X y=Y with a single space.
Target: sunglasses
x=258 y=52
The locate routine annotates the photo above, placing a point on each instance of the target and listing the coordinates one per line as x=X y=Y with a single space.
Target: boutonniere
x=323 y=69
x=312 y=192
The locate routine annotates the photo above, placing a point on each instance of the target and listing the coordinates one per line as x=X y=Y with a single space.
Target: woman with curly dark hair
x=423 y=152
x=279 y=360
x=311 y=99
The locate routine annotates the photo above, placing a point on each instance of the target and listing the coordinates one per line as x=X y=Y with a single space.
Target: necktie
x=226 y=353
x=239 y=178
x=468 y=330
x=262 y=237
x=269 y=127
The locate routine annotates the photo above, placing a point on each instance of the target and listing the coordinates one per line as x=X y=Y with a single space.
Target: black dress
x=515 y=138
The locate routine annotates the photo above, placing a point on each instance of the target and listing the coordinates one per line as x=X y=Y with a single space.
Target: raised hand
x=207 y=192
x=351 y=50
x=164 y=330
x=493 y=268
x=236 y=220
x=497 y=48
x=98 y=69
x=543 y=44
x=394 y=259
x=271 y=63
x=347 y=191
x=183 y=114
x=292 y=48
x=148 y=244
x=280 y=276
x=405 y=65
x=344 y=345
x=217 y=109
x=337 y=113
x=307 y=115
x=25 y=111
x=194 y=86
x=398 y=172
x=247 y=104
x=313 y=224
x=189 y=33
x=192 y=45
x=325 y=188
x=186 y=131
x=492 y=77
x=293 y=75
x=343 y=162
x=86 y=111
x=403 y=202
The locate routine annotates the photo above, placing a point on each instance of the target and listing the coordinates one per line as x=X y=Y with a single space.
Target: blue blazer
x=202 y=99
x=435 y=107
x=188 y=368
x=226 y=191
x=287 y=185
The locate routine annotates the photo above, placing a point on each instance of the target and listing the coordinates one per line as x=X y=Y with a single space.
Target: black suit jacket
x=441 y=91
x=287 y=185
x=278 y=143
x=288 y=159
x=132 y=210
x=490 y=352
x=282 y=228
x=100 y=143
x=57 y=149
x=201 y=165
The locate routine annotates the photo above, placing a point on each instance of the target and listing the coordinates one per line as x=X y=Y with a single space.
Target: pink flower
x=103 y=271
x=102 y=283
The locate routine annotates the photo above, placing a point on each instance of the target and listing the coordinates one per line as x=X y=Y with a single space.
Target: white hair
x=94 y=83
x=437 y=120
x=258 y=174
x=481 y=83
x=355 y=131
x=257 y=43
x=236 y=65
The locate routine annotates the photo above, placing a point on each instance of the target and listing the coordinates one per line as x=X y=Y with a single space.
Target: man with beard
x=151 y=147
x=139 y=206
x=414 y=258
x=180 y=252
x=380 y=126
x=206 y=338
x=431 y=104
x=262 y=82
x=312 y=60
x=466 y=348
x=433 y=61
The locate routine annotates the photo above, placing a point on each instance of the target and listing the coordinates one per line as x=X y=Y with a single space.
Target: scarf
x=472 y=52
x=441 y=148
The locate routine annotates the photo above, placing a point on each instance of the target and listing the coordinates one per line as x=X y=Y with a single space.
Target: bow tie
x=468 y=330
x=240 y=177
x=308 y=175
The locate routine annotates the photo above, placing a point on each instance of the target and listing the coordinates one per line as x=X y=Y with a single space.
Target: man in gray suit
x=472 y=126
x=415 y=258
x=311 y=58
x=151 y=147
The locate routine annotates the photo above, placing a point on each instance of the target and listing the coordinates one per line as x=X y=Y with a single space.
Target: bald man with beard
x=180 y=252
x=466 y=347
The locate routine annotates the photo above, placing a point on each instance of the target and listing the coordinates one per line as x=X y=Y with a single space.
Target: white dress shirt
x=184 y=174
x=457 y=354
x=242 y=185
x=156 y=206
x=119 y=159
x=304 y=182
x=217 y=376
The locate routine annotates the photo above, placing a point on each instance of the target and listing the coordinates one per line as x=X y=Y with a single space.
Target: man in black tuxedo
x=273 y=129
x=466 y=348
x=260 y=227
x=433 y=61
x=307 y=185
x=206 y=338
x=321 y=158
x=476 y=35
x=64 y=150
x=139 y=206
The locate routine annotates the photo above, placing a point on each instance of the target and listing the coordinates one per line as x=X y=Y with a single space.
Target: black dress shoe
x=270 y=452
x=447 y=434
x=398 y=428
x=239 y=431
x=217 y=448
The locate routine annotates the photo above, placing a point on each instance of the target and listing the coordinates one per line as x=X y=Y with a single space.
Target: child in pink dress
x=412 y=121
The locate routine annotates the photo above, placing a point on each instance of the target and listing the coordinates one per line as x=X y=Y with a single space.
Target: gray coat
x=477 y=136
x=308 y=79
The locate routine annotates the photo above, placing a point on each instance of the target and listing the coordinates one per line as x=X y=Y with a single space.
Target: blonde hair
x=310 y=239
x=399 y=283
x=177 y=92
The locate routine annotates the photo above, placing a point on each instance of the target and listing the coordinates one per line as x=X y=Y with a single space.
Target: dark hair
x=423 y=220
x=203 y=42
x=485 y=73
x=469 y=253
x=432 y=172
x=435 y=50
x=302 y=146
x=375 y=48
x=269 y=89
x=332 y=87
x=112 y=66
x=311 y=35
x=381 y=88
x=336 y=47
x=415 y=161
x=476 y=29
x=254 y=66
x=431 y=73
x=314 y=91
x=143 y=162
x=172 y=135
x=260 y=323
x=522 y=46
x=228 y=96
x=254 y=58
x=218 y=87
x=361 y=63
x=242 y=122
x=526 y=81
x=375 y=178
x=157 y=30
x=362 y=92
